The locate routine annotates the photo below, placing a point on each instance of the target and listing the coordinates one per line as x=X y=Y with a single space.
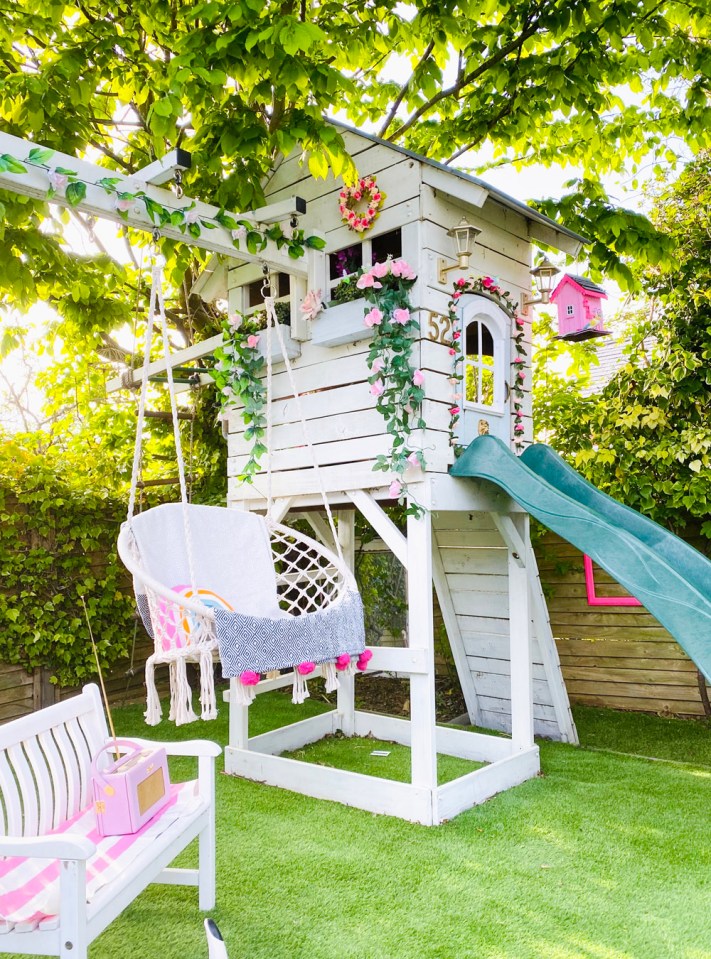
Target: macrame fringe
x=300 y=690
x=243 y=695
x=207 y=686
x=183 y=702
x=153 y=713
x=330 y=674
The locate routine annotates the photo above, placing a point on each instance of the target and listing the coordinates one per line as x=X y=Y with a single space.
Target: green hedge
x=57 y=543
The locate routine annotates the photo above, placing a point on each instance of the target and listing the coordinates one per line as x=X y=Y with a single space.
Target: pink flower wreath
x=351 y=197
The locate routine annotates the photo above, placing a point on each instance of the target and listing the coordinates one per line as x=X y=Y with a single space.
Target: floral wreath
x=365 y=190
x=488 y=286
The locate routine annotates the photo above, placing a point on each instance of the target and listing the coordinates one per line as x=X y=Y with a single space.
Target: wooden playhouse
x=473 y=541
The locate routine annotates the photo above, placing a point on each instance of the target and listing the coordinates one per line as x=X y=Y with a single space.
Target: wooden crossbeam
x=98 y=203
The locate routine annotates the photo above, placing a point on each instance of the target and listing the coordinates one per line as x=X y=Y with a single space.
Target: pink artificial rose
x=414 y=459
x=518 y=428
x=461 y=282
x=377 y=388
x=58 y=181
x=191 y=216
x=303 y=669
x=402 y=269
x=367 y=281
x=452 y=352
x=239 y=234
x=380 y=269
x=455 y=396
x=520 y=375
x=123 y=204
x=312 y=305
x=343 y=661
x=418 y=378
x=519 y=322
x=249 y=678
x=408 y=409
x=377 y=365
x=234 y=319
x=453 y=380
x=519 y=359
x=456 y=295
x=454 y=410
x=487 y=282
x=456 y=335
x=395 y=489
x=252 y=340
x=373 y=317
x=401 y=316
x=377 y=197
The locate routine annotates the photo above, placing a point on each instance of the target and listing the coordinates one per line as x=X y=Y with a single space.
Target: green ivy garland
x=488 y=286
x=237 y=373
x=394 y=382
x=185 y=219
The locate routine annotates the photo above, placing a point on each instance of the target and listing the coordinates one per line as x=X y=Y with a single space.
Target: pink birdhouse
x=579 y=303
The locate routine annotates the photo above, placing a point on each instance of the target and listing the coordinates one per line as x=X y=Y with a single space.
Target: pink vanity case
x=131 y=790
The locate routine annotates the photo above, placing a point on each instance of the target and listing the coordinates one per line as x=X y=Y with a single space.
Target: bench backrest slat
x=45 y=764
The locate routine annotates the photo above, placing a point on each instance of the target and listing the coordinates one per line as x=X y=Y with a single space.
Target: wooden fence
x=616 y=656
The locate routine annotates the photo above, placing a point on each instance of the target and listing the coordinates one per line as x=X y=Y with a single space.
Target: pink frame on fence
x=594 y=599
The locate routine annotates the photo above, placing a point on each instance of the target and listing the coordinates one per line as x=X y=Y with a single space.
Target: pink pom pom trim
x=303 y=669
x=363 y=660
x=249 y=678
x=343 y=661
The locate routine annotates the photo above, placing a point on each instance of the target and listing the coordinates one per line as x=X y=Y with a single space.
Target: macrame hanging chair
x=211 y=580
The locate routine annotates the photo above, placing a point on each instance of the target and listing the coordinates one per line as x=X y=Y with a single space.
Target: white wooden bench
x=45 y=771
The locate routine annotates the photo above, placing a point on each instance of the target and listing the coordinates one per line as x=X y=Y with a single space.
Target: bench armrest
x=65 y=846
x=191 y=747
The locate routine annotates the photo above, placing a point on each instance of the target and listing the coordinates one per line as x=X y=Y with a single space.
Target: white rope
x=272 y=318
x=141 y=406
x=266 y=294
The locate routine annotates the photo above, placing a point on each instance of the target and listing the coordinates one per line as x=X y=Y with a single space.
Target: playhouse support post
x=345 y=520
x=420 y=631
x=520 y=650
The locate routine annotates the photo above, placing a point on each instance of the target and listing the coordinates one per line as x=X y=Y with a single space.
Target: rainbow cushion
x=169 y=615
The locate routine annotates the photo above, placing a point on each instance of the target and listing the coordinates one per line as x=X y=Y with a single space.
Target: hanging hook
x=266 y=282
x=179 y=192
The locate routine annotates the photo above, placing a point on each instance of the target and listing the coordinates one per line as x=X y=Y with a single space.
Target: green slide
x=669 y=577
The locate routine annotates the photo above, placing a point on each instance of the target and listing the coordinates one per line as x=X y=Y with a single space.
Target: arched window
x=479 y=365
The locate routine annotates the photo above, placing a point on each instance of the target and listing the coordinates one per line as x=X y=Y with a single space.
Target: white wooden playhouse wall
x=346 y=429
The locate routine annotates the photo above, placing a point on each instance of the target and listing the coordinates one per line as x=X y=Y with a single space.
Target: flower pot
x=341 y=324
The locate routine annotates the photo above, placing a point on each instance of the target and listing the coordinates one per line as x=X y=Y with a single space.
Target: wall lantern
x=543 y=276
x=464 y=235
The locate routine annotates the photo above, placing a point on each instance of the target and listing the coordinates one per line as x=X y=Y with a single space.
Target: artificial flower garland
x=129 y=193
x=396 y=385
x=365 y=190
x=488 y=286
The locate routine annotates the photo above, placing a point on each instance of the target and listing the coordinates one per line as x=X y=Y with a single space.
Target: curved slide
x=669 y=577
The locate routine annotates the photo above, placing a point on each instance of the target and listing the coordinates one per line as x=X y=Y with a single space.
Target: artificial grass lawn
x=603 y=857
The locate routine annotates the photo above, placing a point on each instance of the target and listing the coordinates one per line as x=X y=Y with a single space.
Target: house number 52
x=440 y=328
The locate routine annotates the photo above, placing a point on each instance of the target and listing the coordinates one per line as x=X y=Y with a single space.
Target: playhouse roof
x=540 y=225
x=582 y=282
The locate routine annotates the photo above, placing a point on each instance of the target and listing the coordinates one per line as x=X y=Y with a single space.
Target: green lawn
x=606 y=856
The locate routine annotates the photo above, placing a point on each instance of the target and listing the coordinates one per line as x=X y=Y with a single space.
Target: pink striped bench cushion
x=29 y=888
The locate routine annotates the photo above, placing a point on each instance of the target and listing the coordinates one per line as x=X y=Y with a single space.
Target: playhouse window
x=385 y=245
x=254 y=290
x=349 y=259
x=570 y=309
x=479 y=364
x=346 y=261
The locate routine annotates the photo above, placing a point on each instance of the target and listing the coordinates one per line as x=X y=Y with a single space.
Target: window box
x=342 y=323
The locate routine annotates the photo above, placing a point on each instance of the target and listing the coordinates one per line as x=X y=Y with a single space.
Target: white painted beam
x=162 y=170
x=381 y=523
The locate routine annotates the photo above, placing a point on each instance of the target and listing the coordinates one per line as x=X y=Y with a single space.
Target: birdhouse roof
x=582 y=283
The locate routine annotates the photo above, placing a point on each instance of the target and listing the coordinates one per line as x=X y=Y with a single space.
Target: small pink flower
x=452 y=352
x=252 y=340
x=368 y=281
x=519 y=322
x=191 y=216
x=418 y=378
x=234 y=319
x=401 y=316
x=303 y=669
x=518 y=428
x=519 y=359
x=312 y=305
x=377 y=388
x=487 y=282
x=377 y=365
x=357 y=195
x=408 y=409
x=456 y=335
x=123 y=204
x=240 y=233
x=414 y=459
x=454 y=410
x=455 y=396
x=249 y=678
x=343 y=661
x=461 y=282
x=377 y=197
x=395 y=489
x=58 y=181
x=373 y=317
x=380 y=269
x=402 y=269
x=520 y=375
x=453 y=380
x=456 y=295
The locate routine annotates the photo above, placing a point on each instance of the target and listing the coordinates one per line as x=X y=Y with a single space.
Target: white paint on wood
x=480 y=785
x=381 y=523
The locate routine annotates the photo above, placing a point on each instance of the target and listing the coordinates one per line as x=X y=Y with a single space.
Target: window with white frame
x=479 y=365
x=363 y=253
x=570 y=309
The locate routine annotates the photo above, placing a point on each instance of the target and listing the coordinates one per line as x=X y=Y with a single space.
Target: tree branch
x=404 y=88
